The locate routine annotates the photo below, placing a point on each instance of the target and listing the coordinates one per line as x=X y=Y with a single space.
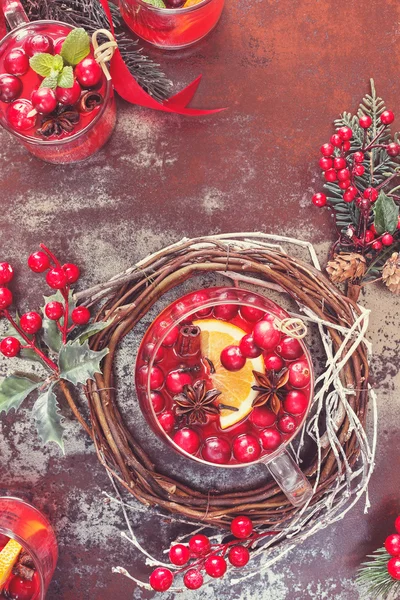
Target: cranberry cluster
x=201 y=556
x=392 y=545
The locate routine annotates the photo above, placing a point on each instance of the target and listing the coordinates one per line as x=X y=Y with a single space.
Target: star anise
x=270 y=388
x=62 y=119
x=195 y=402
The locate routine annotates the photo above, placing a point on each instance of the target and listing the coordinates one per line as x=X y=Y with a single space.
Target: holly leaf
x=45 y=64
x=76 y=46
x=78 y=362
x=386 y=214
x=93 y=329
x=48 y=419
x=14 y=390
x=66 y=78
x=51 y=81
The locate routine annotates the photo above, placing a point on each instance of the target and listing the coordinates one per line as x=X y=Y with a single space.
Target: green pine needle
x=373 y=576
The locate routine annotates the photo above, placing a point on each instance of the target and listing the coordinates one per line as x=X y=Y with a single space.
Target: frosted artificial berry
x=170 y=337
x=10 y=347
x=387 y=117
x=215 y=566
x=393 y=149
x=10 y=87
x=17 y=115
x=199 y=544
x=346 y=146
x=299 y=374
x=358 y=157
x=193 y=579
x=289 y=348
x=6 y=272
x=359 y=170
x=157 y=401
x=155 y=377
x=336 y=140
x=56 y=278
x=273 y=362
x=188 y=440
x=325 y=163
x=365 y=121
x=201 y=298
x=38 y=262
x=39 y=43
x=344 y=184
x=343 y=174
x=251 y=313
x=319 y=200
x=371 y=194
x=167 y=420
x=345 y=133
x=226 y=311
x=21 y=589
x=88 y=72
x=31 y=322
x=58 y=44
x=238 y=556
x=393 y=568
x=161 y=579
x=392 y=544
x=44 y=100
x=80 y=315
x=248 y=347
x=330 y=175
x=148 y=353
x=242 y=527
x=262 y=417
x=327 y=150
x=265 y=335
x=16 y=62
x=232 y=359
x=270 y=439
x=397 y=524
x=6 y=298
x=179 y=554
x=369 y=236
x=364 y=204
x=54 y=310
x=377 y=246
x=246 y=448
x=287 y=424
x=69 y=96
x=176 y=381
x=339 y=163
x=295 y=403
x=216 y=450
x=387 y=239
x=72 y=272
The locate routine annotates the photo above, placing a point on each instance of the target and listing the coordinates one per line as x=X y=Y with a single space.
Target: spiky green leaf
x=386 y=214
x=78 y=363
x=14 y=390
x=48 y=419
x=92 y=329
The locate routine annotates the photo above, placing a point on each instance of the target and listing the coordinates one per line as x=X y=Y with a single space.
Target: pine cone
x=391 y=273
x=346 y=265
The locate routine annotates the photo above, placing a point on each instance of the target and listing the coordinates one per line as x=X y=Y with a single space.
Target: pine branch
x=374 y=577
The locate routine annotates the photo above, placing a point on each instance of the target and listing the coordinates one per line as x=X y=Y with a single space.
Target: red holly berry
x=193 y=579
x=287 y=424
x=377 y=246
x=161 y=579
x=21 y=589
x=10 y=347
x=262 y=417
x=6 y=273
x=336 y=140
x=393 y=149
x=176 y=381
x=216 y=450
x=327 y=150
x=387 y=239
x=344 y=184
x=246 y=448
x=394 y=568
x=16 y=62
x=330 y=175
x=157 y=401
x=56 y=278
x=398 y=222
x=359 y=170
x=345 y=133
x=369 y=236
x=10 y=87
x=17 y=115
x=392 y=544
x=325 y=163
x=397 y=524
x=299 y=374
x=39 y=43
x=358 y=157
x=343 y=175
x=167 y=420
x=350 y=194
x=319 y=200
x=88 y=72
x=31 y=322
x=248 y=347
x=339 y=163
x=44 y=100
x=232 y=359
x=155 y=377
x=72 y=272
x=365 y=121
x=289 y=348
x=149 y=353
x=199 y=544
x=179 y=554
x=238 y=556
x=387 y=117
x=188 y=440
x=273 y=362
x=242 y=527
x=371 y=194
x=54 y=310
x=295 y=403
x=80 y=315
x=215 y=566
x=364 y=204
x=69 y=96
x=270 y=439
x=38 y=262
x=6 y=298
x=265 y=335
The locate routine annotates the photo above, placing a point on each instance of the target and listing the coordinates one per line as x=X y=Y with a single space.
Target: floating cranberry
x=38 y=262
x=175 y=3
x=265 y=335
x=72 y=272
x=251 y=313
x=365 y=121
x=287 y=424
x=393 y=149
x=88 y=72
x=161 y=579
x=336 y=140
x=273 y=362
x=156 y=377
x=193 y=579
x=179 y=554
x=270 y=439
x=80 y=315
x=242 y=527
x=248 y=348
x=58 y=44
x=319 y=200
x=394 y=568
x=199 y=298
x=327 y=149
x=21 y=589
x=10 y=347
x=69 y=96
x=10 y=87
x=39 y=43
x=167 y=420
x=54 y=310
x=295 y=402
x=387 y=239
x=262 y=417
x=188 y=440
x=5 y=298
x=216 y=450
x=31 y=322
x=176 y=381
x=17 y=115
x=157 y=401
x=171 y=337
x=56 y=278
x=44 y=100
x=215 y=566
x=387 y=117
x=289 y=348
x=16 y=62
x=345 y=133
x=148 y=352
x=299 y=374
x=392 y=544
x=246 y=448
x=238 y=556
x=180 y=310
x=232 y=359
x=6 y=272
x=199 y=544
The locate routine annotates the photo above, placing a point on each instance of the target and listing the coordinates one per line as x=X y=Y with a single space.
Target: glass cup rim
x=75 y=136
x=174 y=11
x=208 y=304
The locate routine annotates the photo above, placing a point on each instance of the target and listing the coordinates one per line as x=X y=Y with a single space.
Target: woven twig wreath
x=341 y=393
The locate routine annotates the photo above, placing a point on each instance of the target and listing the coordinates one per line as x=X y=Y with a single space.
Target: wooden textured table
x=285 y=69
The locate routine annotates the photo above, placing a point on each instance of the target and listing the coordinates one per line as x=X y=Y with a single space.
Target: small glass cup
x=171 y=28
x=85 y=141
x=26 y=525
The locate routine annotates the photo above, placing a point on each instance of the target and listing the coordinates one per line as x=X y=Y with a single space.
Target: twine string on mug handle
x=104 y=52
x=293 y=327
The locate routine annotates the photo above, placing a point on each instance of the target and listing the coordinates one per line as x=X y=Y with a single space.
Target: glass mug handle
x=290 y=479
x=14 y=13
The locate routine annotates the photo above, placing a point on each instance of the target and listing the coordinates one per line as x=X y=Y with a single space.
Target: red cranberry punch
x=54 y=96
x=223 y=375
x=28 y=551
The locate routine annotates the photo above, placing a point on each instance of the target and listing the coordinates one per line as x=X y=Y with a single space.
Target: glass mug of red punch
x=224 y=376
x=69 y=120
x=28 y=551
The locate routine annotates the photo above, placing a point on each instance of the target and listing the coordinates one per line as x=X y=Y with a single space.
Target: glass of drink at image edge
x=26 y=537
x=186 y=346
x=93 y=129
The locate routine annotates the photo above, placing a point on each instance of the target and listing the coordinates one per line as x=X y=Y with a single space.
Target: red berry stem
x=378 y=134
x=51 y=255
x=65 y=293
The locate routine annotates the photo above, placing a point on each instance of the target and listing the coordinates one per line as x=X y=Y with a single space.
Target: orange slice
x=191 y=3
x=234 y=385
x=8 y=558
